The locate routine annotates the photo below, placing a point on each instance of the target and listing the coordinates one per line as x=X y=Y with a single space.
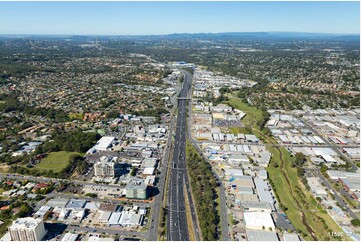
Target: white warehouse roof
x=261 y=235
x=258 y=220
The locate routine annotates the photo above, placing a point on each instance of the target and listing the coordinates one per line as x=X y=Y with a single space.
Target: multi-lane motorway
x=177 y=228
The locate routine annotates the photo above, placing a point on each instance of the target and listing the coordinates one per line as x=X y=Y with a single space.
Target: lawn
x=253 y=115
x=240 y=130
x=56 y=161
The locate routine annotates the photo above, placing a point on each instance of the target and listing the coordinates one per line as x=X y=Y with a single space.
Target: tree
x=134 y=171
x=25 y=210
x=323 y=168
x=299 y=159
x=92 y=195
x=355 y=222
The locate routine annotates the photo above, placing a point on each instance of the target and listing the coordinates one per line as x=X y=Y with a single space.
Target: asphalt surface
x=188 y=187
x=177 y=228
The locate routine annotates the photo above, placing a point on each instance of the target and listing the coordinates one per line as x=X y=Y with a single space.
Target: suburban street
x=335 y=193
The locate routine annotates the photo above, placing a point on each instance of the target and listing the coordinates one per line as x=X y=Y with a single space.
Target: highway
x=188 y=187
x=177 y=228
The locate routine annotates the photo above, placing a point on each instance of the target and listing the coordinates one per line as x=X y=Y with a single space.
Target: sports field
x=56 y=161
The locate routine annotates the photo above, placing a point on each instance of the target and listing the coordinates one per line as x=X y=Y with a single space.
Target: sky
x=138 y=18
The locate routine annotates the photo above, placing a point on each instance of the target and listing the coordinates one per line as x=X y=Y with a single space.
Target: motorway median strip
x=189 y=217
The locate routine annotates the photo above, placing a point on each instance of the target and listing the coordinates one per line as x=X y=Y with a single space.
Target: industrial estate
x=185 y=137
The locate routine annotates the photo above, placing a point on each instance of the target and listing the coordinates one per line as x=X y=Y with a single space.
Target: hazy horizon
x=185 y=33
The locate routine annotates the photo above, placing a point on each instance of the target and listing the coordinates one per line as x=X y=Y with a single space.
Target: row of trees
x=204 y=186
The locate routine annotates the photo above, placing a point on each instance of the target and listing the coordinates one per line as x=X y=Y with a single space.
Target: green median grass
x=56 y=161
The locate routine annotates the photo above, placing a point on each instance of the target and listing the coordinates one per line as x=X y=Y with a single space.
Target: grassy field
x=56 y=161
x=253 y=114
x=240 y=130
x=79 y=116
x=301 y=208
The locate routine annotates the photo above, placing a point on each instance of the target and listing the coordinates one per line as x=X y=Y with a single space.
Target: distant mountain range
x=266 y=36
x=260 y=36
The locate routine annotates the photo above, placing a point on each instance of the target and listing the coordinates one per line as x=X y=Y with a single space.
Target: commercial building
x=258 y=220
x=105 y=168
x=128 y=219
x=316 y=187
x=136 y=189
x=102 y=145
x=254 y=206
x=351 y=184
x=27 y=229
x=58 y=202
x=233 y=172
x=104 y=217
x=76 y=203
x=260 y=235
x=251 y=138
x=291 y=237
x=42 y=211
x=263 y=191
x=70 y=237
x=114 y=218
